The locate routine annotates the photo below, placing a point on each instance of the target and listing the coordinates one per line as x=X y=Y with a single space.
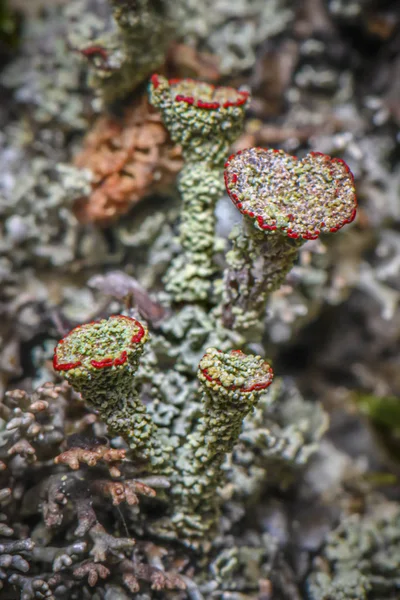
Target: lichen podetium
x=285 y=202
x=232 y=383
x=99 y=359
x=112 y=39
x=204 y=120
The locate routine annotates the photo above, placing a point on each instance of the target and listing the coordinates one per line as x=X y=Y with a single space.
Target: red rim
x=308 y=235
x=105 y=362
x=244 y=390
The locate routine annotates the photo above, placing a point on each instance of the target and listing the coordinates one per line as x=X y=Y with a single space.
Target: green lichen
x=232 y=384
x=47 y=77
x=99 y=360
x=38 y=223
x=218 y=435
x=257 y=264
x=277 y=439
x=285 y=202
x=205 y=121
x=111 y=37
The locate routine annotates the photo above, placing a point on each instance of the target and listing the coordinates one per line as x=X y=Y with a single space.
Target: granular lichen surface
x=99 y=344
x=301 y=198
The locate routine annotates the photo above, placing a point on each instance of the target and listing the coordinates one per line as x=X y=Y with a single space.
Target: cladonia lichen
x=232 y=383
x=99 y=360
x=180 y=403
x=285 y=202
x=204 y=120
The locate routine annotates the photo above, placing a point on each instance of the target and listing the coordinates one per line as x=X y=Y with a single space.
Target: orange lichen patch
x=130 y=158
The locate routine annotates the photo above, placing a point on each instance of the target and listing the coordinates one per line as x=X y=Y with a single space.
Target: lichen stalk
x=232 y=383
x=257 y=265
x=99 y=360
x=204 y=120
x=189 y=277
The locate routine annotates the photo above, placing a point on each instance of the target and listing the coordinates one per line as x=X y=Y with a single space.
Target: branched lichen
x=37 y=213
x=360 y=560
x=234 y=31
x=43 y=59
x=277 y=440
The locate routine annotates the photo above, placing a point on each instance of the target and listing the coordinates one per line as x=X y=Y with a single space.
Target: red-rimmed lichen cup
x=234 y=373
x=109 y=346
x=203 y=118
x=201 y=94
x=300 y=198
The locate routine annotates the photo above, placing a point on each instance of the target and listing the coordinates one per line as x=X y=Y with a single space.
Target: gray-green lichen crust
x=204 y=120
x=361 y=558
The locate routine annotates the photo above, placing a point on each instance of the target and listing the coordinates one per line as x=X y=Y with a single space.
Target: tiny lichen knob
x=203 y=118
x=99 y=360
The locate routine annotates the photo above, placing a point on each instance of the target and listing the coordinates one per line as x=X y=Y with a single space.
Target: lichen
x=285 y=202
x=233 y=31
x=99 y=359
x=111 y=39
x=204 y=120
x=37 y=212
x=69 y=551
x=232 y=384
x=360 y=558
x=43 y=58
x=221 y=453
